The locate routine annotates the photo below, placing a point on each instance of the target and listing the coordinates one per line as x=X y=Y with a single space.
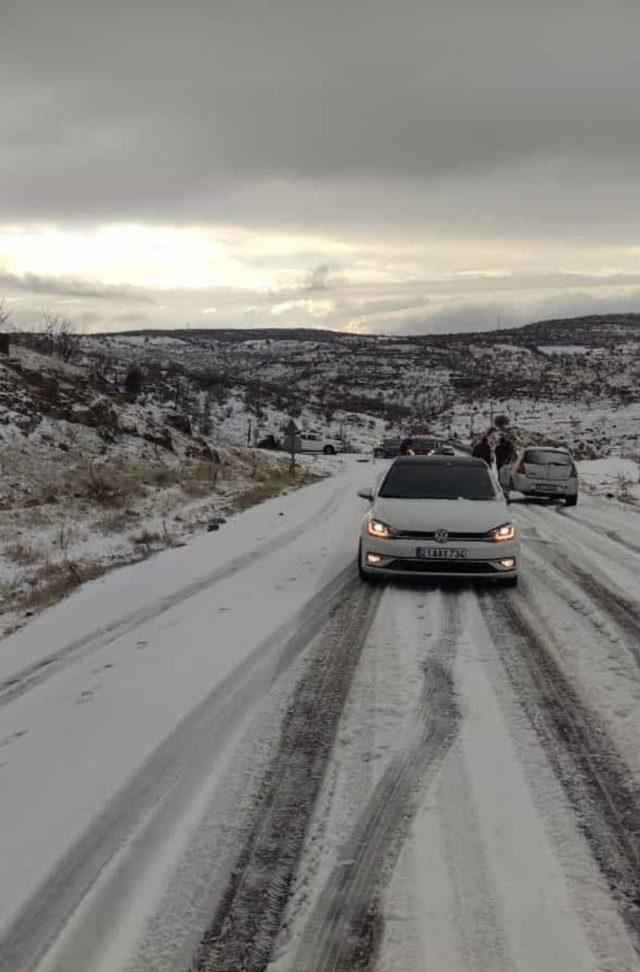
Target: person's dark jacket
x=481 y=450
x=505 y=451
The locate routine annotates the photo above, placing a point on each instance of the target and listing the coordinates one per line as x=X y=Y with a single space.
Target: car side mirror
x=366 y=493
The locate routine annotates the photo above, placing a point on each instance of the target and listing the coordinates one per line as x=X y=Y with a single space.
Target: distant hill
x=557 y=372
x=589 y=330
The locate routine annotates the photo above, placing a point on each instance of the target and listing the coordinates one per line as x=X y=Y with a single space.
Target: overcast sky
x=407 y=165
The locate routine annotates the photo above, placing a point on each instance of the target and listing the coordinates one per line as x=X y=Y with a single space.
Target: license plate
x=548 y=486
x=441 y=553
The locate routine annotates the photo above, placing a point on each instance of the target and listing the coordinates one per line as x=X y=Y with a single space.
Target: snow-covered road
x=236 y=757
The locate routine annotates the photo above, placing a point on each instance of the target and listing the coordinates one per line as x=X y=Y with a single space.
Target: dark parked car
x=419 y=445
x=387 y=448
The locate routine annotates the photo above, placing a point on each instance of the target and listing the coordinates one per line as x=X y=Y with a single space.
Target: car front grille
x=430 y=535
x=443 y=566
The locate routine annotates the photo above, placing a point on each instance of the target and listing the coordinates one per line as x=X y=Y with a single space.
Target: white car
x=542 y=471
x=438 y=516
x=313 y=442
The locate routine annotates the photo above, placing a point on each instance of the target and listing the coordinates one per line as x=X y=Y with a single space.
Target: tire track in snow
x=586 y=547
x=28 y=678
x=609 y=614
x=194 y=742
x=243 y=930
x=623 y=611
x=594 y=778
x=620 y=609
x=597 y=528
x=480 y=932
x=345 y=930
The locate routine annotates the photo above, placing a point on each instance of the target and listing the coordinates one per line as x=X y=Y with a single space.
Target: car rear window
x=543 y=457
x=437 y=481
x=423 y=442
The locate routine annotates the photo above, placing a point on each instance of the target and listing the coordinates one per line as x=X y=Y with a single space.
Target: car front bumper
x=399 y=557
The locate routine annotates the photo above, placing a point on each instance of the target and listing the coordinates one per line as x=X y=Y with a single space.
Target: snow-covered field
x=613 y=478
x=235 y=756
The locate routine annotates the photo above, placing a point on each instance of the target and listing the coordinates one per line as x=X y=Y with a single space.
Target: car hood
x=473 y=516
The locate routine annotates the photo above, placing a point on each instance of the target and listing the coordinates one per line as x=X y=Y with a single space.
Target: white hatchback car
x=313 y=442
x=544 y=472
x=438 y=516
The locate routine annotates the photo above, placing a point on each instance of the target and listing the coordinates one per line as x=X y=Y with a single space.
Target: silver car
x=542 y=471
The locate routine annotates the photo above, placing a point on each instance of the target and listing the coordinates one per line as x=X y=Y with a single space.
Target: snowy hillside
x=91 y=478
x=576 y=383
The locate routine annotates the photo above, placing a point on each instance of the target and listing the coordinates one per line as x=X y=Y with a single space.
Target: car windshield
x=437 y=481
x=543 y=457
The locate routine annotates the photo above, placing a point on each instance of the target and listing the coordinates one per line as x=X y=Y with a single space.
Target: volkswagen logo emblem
x=441 y=536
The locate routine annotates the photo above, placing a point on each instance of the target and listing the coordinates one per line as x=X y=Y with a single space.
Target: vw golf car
x=440 y=516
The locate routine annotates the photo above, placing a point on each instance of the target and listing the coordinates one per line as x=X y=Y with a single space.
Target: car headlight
x=376 y=528
x=508 y=531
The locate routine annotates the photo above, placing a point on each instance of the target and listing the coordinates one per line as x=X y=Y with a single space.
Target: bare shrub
x=163 y=477
x=200 y=479
x=623 y=488
x=107 y=486
x=146 y=538
x=116 y=522
x=56 y=581
x=272 y=485
x=59 y=336
x=22 y=554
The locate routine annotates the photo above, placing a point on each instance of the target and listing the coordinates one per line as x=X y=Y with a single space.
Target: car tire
x=329 y=450
x=571 y=500
x=509 y=581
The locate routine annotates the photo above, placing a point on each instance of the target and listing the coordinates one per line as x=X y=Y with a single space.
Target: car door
x=311 y=442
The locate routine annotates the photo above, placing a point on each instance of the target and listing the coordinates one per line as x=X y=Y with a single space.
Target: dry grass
x=115 y=522
x=107 y=485
x=201 y=479
x=269 y=486
x=53 y=582
x=623 y=488
x=22 y=554
x=116 y=497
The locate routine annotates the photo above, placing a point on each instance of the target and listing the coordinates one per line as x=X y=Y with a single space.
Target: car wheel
x=510 y=581
x=329 y=450
x=571 y=500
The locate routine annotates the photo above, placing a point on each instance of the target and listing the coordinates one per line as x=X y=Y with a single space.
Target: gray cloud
x=439 y=122
x=34 y=283
x=153 y=108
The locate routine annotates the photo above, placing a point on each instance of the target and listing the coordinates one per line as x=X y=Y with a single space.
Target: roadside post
x=292 y=443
